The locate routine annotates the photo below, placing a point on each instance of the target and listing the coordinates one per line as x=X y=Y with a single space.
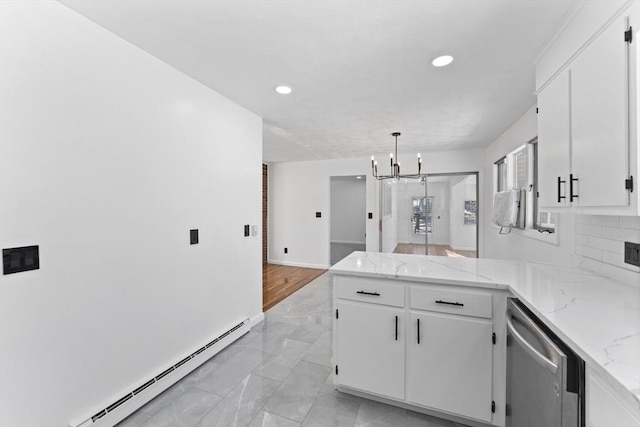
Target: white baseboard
x=349 y=242
x=298 y=264
x=256 y=319
x=473 y=248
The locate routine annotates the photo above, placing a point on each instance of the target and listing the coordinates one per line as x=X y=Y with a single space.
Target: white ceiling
x=360 y=69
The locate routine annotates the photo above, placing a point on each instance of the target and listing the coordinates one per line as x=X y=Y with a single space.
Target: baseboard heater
x=164 y=380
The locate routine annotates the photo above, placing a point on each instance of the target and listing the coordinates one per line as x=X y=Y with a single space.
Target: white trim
x=531 y=233
x=464 y=248
x=349 y=242
x=298 y=264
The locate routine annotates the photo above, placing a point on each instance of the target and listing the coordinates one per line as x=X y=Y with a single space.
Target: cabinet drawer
x=369 y=290
x=447 y=300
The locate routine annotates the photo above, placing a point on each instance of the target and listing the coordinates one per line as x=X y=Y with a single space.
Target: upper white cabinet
x=554 y=139
x=599 y=119
x=587 y=122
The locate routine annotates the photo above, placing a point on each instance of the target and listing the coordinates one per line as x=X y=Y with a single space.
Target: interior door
x=421 y=219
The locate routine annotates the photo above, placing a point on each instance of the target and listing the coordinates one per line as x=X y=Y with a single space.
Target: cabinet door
x=450 y=369
x=604 y=408
x=599 y=113
x=554 y=139
x=371 y=348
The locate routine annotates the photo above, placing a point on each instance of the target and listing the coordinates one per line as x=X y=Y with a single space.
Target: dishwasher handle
x=539 y=357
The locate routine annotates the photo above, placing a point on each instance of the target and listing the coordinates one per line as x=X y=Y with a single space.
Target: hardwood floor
x=440 y=250
x=280 y=281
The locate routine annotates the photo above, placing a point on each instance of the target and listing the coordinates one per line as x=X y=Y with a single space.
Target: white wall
x=441 y=192
x=390 y=223
x=463 y=236
x=348 y=209
x=298 y=189
x=108 y=158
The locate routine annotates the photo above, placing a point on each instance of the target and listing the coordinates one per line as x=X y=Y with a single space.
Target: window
x=518 y=170
x=385 y=188
x=501 y=166
x=422 y=218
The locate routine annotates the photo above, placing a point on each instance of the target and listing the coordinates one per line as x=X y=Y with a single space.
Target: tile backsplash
x=599 y=245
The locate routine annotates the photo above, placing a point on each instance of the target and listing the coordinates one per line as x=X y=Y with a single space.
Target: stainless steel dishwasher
x=545 y=378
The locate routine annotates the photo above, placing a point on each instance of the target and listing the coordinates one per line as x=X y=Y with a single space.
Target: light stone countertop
x=597 y=317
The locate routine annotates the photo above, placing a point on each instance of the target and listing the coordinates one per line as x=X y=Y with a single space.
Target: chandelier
x=395 y=166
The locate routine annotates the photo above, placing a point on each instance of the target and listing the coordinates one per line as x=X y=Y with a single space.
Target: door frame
x=426 y=185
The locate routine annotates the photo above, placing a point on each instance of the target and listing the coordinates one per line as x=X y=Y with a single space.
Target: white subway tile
x=582 y=219
x=582 y=239
x=622 y=234
x=618 y=261
x=589 y=230
x=628 y=277
x=588 y=252
x=632 y=222
x=615 y=246
x=605 y=220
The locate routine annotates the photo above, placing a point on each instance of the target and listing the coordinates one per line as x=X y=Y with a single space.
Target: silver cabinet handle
x=539 y=357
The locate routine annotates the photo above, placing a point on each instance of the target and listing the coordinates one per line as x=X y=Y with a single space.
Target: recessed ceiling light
x=441 y=61
x=358 y=177
x=283 y=90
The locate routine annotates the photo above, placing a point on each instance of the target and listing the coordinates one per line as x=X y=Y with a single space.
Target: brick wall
x=265 y=209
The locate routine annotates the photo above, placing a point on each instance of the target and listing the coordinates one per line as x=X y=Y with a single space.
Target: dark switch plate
x=632 y=253
x=15 y=260
x=246 y=230
x=370 y=215
x=193 y=234
x=318 y=214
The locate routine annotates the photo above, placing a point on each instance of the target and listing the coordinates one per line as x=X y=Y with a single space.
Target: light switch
x=15 y=260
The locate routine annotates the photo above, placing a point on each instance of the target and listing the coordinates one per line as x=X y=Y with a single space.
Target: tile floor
x=277 y=375
x=341 y=250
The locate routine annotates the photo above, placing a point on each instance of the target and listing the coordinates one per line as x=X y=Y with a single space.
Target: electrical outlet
x=286 y=251
x=193 y=237
x=246 y=230
x=632 y=253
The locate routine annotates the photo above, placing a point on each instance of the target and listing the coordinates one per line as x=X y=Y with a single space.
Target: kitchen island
x=597 y=317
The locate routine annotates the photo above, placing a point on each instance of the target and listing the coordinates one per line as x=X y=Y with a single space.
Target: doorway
x=435 y=215
x=347 y=216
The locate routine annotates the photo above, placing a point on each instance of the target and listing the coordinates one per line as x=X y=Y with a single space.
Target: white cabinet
x=585 y=125
x=370 y=343
x=554 y=139
x=429 y=347
x=599 y=119
x=604 y=408
x=450 y=364
x=370 y=348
